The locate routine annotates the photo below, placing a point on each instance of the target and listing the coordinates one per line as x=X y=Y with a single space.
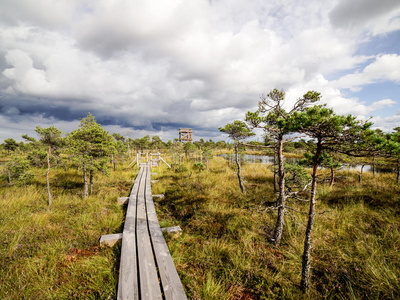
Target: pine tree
x=51 y=138
x=275 y=123
x=391 y=149
x=91 y=147
x=238 y=131
x=330 y=132
x=10 y=145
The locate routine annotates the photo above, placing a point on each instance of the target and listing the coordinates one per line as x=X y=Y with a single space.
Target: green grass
x=223 y=251
x=54 y=253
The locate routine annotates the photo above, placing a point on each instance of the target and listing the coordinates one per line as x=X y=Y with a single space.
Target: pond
x=269 y=160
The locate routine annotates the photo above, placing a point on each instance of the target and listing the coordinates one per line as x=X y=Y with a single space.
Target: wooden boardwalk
x=147 y=270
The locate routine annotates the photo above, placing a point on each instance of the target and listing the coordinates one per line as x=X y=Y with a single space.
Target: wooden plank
x=128 y=287
x=171 y=283
x=149 y=285
x=122 y=200
x=110 y=239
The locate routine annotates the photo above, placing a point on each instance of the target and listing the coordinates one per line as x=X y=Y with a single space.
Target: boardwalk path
x=147 y=270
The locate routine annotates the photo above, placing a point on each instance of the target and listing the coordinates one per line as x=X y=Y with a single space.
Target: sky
x=147 y=67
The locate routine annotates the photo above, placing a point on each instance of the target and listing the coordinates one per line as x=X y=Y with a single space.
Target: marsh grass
x=53 y=252
x=223 y=251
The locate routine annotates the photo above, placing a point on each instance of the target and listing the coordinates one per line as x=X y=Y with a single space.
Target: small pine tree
x=238 y=131
x=10 y=145
x=90 y=146
x=51 y=138
x=330 y=132
x=273 y=119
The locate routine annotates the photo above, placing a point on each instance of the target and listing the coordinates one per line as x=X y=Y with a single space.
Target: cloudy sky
x=150 y=67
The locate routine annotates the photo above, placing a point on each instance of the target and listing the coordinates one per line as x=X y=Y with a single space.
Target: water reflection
x=269 y=160
x=263 y=159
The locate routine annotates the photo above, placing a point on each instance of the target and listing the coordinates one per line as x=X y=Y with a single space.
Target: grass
x=223 y=251
x=54 y=253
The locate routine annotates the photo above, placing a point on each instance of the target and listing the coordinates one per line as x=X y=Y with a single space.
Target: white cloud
x=382 y=104
x=385 y=67
x=387 y=124
x=333 y=97
x=27 y=78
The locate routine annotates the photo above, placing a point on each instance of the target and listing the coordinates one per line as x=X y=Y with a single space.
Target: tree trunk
x=9 y=177
x=239 y=169
x=332 y=177
x=47 y=175
x=91 y=181
x=360 y=174
x=85 y=182
x=282 y=197
x=398 y=171
x=373 y=166
x=305 y=270
x=275 y=188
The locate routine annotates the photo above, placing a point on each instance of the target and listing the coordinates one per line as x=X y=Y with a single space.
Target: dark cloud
x=22 y=107
x=35 y=106
x=358 y=12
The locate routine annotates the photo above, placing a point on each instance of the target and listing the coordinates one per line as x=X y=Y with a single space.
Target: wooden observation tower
x=185 y=135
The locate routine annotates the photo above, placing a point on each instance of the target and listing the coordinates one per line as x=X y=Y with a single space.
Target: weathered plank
x=144 y=250
x=110 y=239
x=148 y=278
x=122 y=200
x=171 y=284
x=128 y=287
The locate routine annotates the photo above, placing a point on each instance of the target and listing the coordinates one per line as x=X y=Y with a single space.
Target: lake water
x=269 y=160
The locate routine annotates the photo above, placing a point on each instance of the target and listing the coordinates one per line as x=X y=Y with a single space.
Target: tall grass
x=223 y=251
x=54 y=253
